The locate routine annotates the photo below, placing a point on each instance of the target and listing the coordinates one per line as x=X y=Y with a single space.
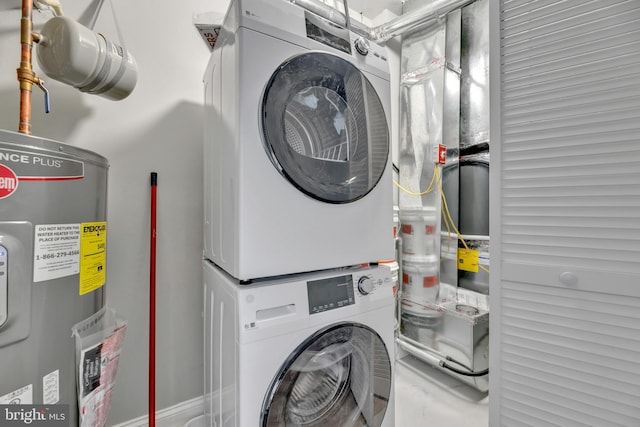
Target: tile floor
x=426 y=396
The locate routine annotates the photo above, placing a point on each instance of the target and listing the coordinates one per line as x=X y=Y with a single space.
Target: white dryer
x=297 y=165
x=307 y=350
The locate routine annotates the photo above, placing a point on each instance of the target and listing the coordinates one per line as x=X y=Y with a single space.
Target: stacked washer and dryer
x=299 y=318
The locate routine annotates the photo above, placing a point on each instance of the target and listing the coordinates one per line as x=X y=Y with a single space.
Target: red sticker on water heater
x=8 y=181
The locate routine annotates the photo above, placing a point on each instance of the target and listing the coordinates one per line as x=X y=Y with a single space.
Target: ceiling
x=368 y=8
x=373 y=8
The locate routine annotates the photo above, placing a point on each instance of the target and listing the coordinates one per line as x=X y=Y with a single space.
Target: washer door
x=324 y=127
x=340 y=376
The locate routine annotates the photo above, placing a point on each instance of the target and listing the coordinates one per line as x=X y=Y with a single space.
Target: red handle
x=152 y=305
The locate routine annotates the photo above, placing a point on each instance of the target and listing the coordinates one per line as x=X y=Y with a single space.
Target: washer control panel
x=351 y=287
x=373 y=282
x=330 y=293
x=365 y=285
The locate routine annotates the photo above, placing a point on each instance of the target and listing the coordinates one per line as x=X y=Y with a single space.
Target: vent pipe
x=431 y=14
x=426 y=16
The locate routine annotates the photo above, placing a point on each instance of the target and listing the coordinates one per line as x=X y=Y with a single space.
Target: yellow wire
x=427 y=191
x=446 y=223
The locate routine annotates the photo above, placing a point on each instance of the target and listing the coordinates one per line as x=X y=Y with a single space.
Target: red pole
x=152 y=305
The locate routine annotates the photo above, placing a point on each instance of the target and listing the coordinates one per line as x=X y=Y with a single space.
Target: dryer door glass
x=340 y=376
x=324 y=127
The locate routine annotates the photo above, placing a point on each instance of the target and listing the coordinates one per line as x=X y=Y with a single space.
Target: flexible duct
x=428 y=15
x=431 y=14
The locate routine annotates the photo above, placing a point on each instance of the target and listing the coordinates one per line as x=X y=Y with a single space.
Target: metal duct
x=431 y=14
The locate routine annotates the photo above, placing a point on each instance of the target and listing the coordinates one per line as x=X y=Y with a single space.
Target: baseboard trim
x=174 y=416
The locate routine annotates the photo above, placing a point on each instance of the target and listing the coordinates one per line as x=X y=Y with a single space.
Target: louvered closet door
x=565 y=313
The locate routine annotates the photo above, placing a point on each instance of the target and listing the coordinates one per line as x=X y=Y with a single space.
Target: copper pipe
x=26 y=77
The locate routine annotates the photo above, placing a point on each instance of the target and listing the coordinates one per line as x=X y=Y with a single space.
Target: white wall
x=157 y=128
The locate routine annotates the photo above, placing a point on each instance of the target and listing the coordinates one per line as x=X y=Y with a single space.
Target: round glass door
x=340 y=376
x=324 y=127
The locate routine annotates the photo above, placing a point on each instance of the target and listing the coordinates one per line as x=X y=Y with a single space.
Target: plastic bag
x=99 y=342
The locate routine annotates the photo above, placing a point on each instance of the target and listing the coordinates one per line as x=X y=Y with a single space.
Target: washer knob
x=365 y=285
x=362 y=46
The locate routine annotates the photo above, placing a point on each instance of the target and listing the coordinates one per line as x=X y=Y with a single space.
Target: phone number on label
x=53 y=255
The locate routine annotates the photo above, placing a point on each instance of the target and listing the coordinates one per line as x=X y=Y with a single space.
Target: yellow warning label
x=93 y=256
x=468 y=260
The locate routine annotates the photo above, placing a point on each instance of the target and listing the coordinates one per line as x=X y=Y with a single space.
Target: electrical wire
x=448 y=219
x=445 y=365
x=427 y=191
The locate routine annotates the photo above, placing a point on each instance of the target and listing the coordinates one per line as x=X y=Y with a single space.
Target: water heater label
x=51 y=388
x=30 y=166
x=56 y=251
x=93 y=256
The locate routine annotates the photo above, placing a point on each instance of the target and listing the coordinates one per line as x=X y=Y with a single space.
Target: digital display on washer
x=328 y=33
x=327 y=294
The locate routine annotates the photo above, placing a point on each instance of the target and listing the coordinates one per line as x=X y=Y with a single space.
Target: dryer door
x=324 y=127
x=340 y=376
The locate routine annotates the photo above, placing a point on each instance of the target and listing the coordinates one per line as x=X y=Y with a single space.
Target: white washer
x=297 y=165
x=305 y=350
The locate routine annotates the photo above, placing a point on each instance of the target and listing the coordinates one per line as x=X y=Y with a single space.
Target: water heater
x=53 y=200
